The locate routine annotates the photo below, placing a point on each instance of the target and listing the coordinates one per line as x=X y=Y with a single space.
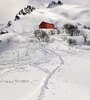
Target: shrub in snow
x=58 y=31
x=71 y=29
x=88 y=43
x=86 y=27
x=85 y=37
x=9 y=23
x=55 y=31
x=25 y=11
x=3 y=31
x=17 y=17
x=32 y=9
x=53 y=4
x=19 y=13
x=60 y=3
x=52 y=32
x=85 y=34
x=22 y=12
x=41 y=35
x=28 y=9
x=76 y=40
x=71 y=42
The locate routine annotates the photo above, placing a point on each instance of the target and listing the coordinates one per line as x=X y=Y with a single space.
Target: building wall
x=50 y=26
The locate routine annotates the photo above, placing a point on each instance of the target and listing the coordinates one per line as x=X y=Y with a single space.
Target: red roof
x=46 y=25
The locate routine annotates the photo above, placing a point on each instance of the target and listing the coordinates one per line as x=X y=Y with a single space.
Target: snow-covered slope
x=34 y=70
x=58 y=15
x=9 y=8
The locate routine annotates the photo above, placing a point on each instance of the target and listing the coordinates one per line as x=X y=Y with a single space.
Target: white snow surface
x=33 y=70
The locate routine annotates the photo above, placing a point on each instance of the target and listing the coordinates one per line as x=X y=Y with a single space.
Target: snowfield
x=34 y=70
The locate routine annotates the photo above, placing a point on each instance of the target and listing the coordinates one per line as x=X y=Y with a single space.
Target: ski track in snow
x=45 y=83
